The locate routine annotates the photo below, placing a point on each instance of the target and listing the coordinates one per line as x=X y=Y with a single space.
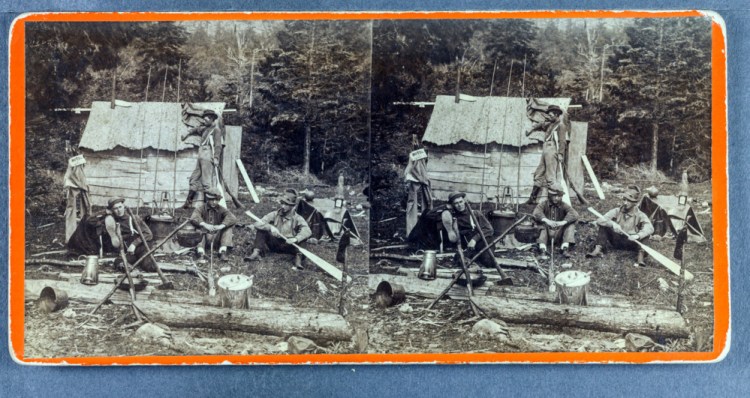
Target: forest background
x=300 y=91
x=307 y=93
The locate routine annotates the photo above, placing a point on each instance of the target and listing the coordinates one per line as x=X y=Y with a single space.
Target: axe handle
x=148 y=249
x=486 y=245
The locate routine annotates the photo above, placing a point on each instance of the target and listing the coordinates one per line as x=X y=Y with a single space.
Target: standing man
x=465 y=226
x=103 y=232
x=209 y=155
x=278 y=229
x=555 y=127
x=622 y=226
x=216 y=222
x=557 y=216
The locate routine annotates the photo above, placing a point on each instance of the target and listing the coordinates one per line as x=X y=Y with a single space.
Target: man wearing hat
x=103 y=232
x=216 y=222
x=278 y=229
x=555 y=127
x=209 y=155
x=558 y=218
x=623 y=225
x=465 y=226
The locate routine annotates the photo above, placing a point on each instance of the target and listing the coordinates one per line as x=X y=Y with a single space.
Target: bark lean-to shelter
x=456 y=136
x=135 y=151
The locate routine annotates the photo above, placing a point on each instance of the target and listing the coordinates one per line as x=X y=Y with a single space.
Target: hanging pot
x=501 y=220
x=527 y=232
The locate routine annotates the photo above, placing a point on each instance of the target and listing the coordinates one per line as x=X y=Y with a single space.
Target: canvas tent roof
x=481 y=120
x=138 y=125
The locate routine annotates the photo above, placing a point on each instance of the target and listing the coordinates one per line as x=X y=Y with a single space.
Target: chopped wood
x=404 y=246
x=52 y=252
x=315 y=325
x=647 y=321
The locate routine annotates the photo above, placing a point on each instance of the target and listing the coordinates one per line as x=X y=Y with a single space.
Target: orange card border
x=719 y=178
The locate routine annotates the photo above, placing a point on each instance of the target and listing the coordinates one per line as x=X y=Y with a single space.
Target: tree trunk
x=308 y=111
x=656 y=115
x=650 y=322
x=317 y=326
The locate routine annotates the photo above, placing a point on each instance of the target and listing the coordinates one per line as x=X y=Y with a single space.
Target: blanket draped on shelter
x=536 y=111
x=419 y=194
x=75 y=187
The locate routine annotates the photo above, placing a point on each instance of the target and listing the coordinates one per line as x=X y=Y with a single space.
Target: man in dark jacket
x=465 y=226
x=103 y=232
x=557 y=218
x=217 y=223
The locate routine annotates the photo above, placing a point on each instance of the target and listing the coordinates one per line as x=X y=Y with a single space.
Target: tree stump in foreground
x=572 y=287
x=234 y=290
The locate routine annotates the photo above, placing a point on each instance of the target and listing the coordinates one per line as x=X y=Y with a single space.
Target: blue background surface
x=727 y=378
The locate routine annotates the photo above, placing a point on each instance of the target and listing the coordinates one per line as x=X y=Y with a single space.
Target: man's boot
x=298 y=261
x=640 y=261
x=565 y=248
x=254 y=256
x=189 y=200
x=200 y=253
x=223 y=253
x=534 y=193
x=597 y=252
x=111 y=226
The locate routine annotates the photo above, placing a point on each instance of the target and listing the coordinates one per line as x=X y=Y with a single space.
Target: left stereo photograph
x=193 y=188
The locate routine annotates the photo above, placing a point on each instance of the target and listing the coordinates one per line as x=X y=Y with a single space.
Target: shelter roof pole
x=158 y=140
x=176 y=143
x=520 y=138
x=505 y=126
x=140 y=163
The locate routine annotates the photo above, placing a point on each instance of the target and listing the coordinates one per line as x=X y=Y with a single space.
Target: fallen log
x=422 y=288
x=166 y=267
x=194 y=298
x=151 y=277
x=315 y=325
x=647 y=321
x=431 y=289
x=90 y=294
x=527 y=293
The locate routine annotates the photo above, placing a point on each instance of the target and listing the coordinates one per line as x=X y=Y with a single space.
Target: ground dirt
x=71 y=332
x=446 y=327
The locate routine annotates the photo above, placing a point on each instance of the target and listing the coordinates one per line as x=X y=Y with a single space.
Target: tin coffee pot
x=428 y=269
x=90 y=274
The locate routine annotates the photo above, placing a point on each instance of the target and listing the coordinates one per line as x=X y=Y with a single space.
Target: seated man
x=622 y=226
x=216 y=222
x=278 y=229
x=557 y=218
x=104 y=230
x=442 y=226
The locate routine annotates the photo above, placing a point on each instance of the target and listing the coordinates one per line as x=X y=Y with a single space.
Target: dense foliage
x=307 y=93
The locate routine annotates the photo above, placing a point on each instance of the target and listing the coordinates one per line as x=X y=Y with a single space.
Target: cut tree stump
x=234 y=290
x=315 y=325
x=647 y=321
